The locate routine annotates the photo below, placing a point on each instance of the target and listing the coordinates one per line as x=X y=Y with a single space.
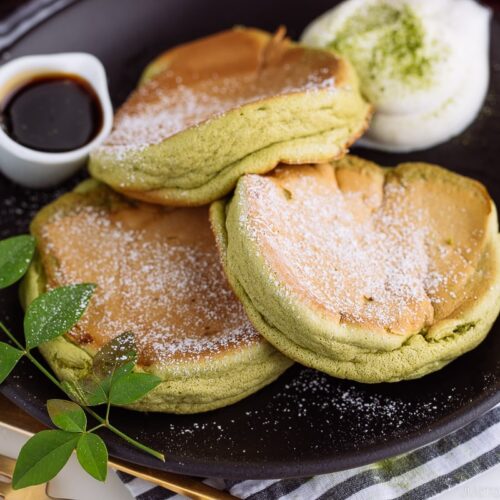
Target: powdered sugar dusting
x=310 y=411
x=363 y=258
x=170 y=103
x=165 y=286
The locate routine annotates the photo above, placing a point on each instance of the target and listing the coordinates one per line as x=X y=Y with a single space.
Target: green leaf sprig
x=111 y=381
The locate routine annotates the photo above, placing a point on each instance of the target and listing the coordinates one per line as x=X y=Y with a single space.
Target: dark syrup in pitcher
x=54 y=113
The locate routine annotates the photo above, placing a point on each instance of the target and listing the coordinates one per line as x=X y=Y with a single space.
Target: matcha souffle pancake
x=236 y=102
x=366 y=273
x=158 y=275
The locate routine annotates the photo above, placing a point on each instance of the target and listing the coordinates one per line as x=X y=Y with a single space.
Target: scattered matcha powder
x=386 y=41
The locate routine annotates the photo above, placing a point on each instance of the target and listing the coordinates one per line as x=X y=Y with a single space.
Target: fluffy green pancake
x=158 y=275
x=366 y=273
x=237 y=102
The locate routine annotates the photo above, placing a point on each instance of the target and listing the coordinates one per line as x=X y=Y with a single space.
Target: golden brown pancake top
x=387 y=250
x=158 y=275
x=211 y=76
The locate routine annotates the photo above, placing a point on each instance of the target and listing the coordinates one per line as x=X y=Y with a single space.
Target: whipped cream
x=422 y=63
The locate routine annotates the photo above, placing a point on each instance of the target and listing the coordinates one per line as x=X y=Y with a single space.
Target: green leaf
x=15 y=257
x=87 y=391
x=132 y=387
x=9 y=356
x=94 y=392
x=67 y=415
x=116 y=358
x=54 y=313
x=107 y=383
x=42 y=457
x=73 y=390
x=93 y=456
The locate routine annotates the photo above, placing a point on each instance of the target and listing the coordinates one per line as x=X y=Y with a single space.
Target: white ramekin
x=38 y=169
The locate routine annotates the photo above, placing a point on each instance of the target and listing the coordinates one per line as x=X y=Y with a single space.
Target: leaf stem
x=135 y=443
x=95 y=428
x=104 y=422
x=44 y=370
x=11 y=337
x=108 y=408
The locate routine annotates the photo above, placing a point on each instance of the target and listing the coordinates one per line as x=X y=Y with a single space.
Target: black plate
x=305 y=423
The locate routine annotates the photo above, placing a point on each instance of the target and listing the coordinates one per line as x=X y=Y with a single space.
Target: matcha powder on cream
x=422 y=63
x=397 y=49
